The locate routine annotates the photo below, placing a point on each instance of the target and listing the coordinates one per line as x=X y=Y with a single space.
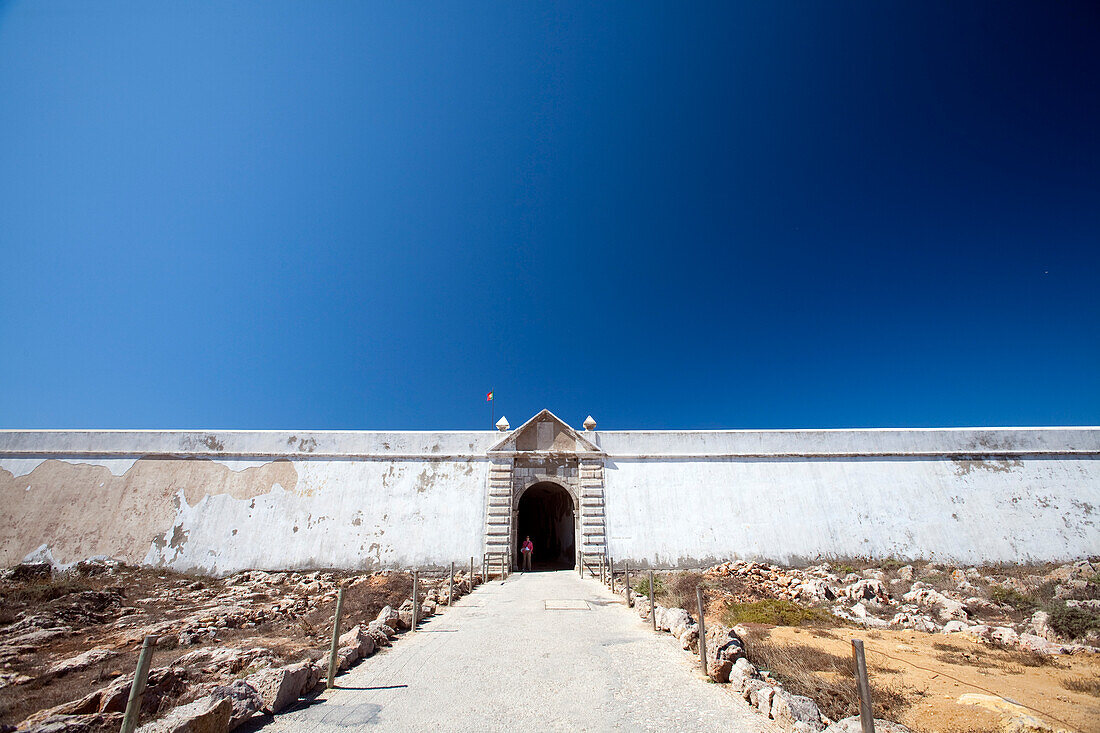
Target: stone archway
x=547 y=512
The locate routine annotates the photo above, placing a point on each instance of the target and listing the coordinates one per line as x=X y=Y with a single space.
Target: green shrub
x=642 y=588
x=775 y=613
x=1073 y=622
x=1014 y=598
x=843 y=569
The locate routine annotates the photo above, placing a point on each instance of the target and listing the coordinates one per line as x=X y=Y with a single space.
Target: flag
x=489 y=397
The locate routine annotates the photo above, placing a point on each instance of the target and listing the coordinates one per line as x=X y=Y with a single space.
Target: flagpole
x=493 y=408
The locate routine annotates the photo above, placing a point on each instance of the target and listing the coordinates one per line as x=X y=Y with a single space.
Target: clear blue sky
x=366 y=215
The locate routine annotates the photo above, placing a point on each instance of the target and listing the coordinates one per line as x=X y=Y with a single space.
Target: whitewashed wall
x=345 y=514
x=693 y=512
x=221 y=501
x=958 y=494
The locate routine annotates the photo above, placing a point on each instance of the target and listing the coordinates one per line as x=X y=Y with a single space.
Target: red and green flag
x=489 y=397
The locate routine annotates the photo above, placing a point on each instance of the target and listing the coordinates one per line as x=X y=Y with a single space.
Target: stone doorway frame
x=573 y=462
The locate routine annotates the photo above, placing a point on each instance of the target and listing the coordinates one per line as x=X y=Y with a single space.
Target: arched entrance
x=547 y=514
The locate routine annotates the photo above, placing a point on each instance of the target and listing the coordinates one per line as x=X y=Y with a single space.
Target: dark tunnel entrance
x=546 y=516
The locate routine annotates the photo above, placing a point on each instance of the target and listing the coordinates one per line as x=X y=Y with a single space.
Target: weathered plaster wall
x=343 y=513
x=218 y=502
x=221 y=501
x=691 y=511
x=82 y=510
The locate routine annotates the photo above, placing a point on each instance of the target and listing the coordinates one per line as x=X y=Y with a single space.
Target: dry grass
x=1008 y=659
x=962 y=657
x=679 y=590
x=826 y=678
x=42 y=591
x=1087 y=685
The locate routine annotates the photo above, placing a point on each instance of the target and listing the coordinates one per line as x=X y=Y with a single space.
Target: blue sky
x=366 y=215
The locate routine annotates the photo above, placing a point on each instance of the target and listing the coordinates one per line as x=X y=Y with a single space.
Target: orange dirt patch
x=936 y=670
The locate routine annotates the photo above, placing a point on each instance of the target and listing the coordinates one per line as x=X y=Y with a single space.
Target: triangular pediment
x=545 y=433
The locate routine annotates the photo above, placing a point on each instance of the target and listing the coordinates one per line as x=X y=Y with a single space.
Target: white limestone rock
x=1039 y=625
x=278 y=688
x=761 y=698
x=360 y=640
x=392 y=618
x=852 y=725
x=788 y=710
x=206 y=715
x=946 y=608
x=1005 y=635
x=81 y=661
x=243 y=698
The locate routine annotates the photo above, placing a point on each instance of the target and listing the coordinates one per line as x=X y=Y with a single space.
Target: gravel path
x=505 y=658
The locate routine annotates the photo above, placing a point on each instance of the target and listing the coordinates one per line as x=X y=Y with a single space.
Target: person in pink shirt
x=527 y=548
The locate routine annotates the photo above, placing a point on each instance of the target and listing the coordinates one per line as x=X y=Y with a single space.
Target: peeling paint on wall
x=81 y=510
x=347 y=514
x=223 y=501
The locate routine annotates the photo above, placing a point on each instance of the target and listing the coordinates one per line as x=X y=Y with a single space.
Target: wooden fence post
x=331 y=681
x=137 y=687
x=451 y=584
x=866 y=719
x=652 y=607
x=629 y=604
x=702 y=629
x=416 y=598
x=471 y=573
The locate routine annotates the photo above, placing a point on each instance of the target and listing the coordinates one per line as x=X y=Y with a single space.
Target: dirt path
x=542 y=651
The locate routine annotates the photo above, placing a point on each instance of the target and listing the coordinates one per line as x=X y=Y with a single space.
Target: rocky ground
x=967 y=650
x=951 y=649
x=229 y=647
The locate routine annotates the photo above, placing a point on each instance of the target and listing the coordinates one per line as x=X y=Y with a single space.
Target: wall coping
x=617 y=445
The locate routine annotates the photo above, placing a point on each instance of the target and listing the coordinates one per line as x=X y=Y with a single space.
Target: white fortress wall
x=221 y=501
x=967 y=495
